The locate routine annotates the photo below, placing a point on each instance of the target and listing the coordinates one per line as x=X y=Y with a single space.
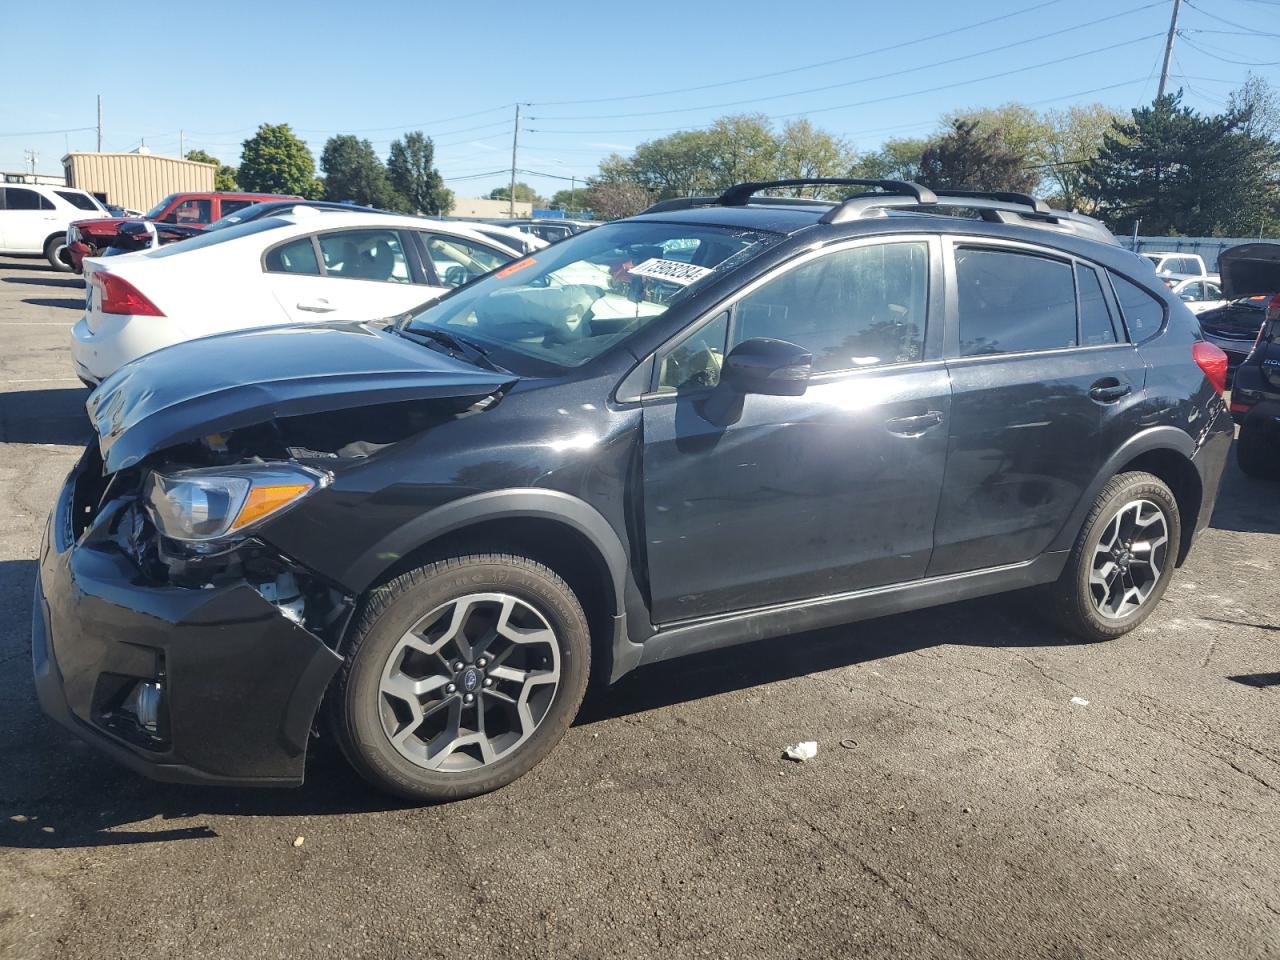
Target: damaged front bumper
x=235 y=680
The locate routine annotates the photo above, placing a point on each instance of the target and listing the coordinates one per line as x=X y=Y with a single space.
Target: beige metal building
x=137 y=181
x=484 y=209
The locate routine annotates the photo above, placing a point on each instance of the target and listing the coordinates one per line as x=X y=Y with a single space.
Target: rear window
x=207 y=239
x=81 y=201
x=1013 y=302
x=1143 y=312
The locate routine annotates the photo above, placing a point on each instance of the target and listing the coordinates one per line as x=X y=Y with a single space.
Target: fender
x=527 y=502
x=1154 y=438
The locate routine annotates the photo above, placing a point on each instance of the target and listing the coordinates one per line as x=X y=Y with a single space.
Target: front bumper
x=242 y=681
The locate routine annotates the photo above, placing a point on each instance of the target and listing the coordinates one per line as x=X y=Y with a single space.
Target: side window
x=17 y=198
x=861 y=307
x=1097 y=326
x=695 y=361
x=1212 y=291
x=194 y=210
x=297 y=256
x=1013 y=302
x=1143 y=313
x=1193 y=291
x=80 y=201
x=231 y=206
x=457 y=260
x=365 y=255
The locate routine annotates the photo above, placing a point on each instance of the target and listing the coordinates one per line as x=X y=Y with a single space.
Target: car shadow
x=67 y=303
x=36 y=264
x=52 y=280
x=1246 y=504
x=45 y=416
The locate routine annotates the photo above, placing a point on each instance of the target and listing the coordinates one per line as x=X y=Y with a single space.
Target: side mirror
x=773 y=368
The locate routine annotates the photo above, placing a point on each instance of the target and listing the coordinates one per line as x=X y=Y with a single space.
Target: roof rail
x=1039 y=206
x=740 y=194
x=686 y=203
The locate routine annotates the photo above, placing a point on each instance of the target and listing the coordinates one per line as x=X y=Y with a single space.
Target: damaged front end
x=166 y=628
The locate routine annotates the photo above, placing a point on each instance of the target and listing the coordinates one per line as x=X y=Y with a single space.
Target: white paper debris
x=298 y=841
x=805 y=750
x=1080 y=701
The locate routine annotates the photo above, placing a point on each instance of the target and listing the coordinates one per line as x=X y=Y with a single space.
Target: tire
x=1256 y=457
x=1073 y=601
x=370 y=703
x=53 y=248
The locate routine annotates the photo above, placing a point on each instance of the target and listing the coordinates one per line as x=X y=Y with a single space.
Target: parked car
x=1199 y=294
x=269 y=208
x=303 y=265
x=34 y=219
x=1249 y=281
x=724 y=420
x=549 y=229
x=192 y=210
x=1251 y=274
x=509 y=236
x=1174 y=267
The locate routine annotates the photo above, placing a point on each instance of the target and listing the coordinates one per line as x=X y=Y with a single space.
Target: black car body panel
x=228 y=381
x=874 y=490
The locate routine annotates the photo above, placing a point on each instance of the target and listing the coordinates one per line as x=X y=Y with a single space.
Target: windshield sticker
x=672 y=271
x=511 y=268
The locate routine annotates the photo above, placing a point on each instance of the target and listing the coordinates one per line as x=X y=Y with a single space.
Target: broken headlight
x=214 y=503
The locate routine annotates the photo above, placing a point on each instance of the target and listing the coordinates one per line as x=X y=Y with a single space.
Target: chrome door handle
x=914 y=426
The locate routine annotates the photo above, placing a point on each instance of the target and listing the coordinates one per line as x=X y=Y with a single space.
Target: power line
x=799 y=69
x=895 y=96
x=46 y=133
x=1220 y=17
x=1218 y=56
x=850 y=83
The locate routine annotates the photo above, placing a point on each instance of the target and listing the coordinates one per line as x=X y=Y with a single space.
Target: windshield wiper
x=471 y=351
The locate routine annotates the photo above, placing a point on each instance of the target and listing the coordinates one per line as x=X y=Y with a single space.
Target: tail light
x=118 y=295
x=1273 y=308
x=1213 y=361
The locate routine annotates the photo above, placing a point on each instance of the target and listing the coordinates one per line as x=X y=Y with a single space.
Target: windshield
x=159 y=207
x=1155 y=260
x=568 y=303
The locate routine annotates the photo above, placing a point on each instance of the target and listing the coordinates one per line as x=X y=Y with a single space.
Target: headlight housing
x=215 y=503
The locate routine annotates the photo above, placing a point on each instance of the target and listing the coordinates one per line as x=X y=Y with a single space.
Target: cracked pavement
x=979 y=812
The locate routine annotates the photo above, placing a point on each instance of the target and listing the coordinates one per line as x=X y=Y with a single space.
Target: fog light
x=143 y=702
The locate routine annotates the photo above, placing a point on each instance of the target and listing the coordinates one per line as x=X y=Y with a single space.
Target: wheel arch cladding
x=1164 y=452
x=556 y=529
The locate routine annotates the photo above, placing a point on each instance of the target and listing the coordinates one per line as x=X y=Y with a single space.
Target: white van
x=34 y=219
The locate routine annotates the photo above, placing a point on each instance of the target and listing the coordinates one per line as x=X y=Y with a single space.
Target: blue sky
x=455 y=70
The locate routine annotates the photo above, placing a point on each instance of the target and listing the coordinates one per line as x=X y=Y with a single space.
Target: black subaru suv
x=723 y=420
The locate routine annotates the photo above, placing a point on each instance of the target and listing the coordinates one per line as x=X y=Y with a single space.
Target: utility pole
x=31 y=158
x=99 y=123
x=1168 y=49
x=515 y=140
x=182 y=153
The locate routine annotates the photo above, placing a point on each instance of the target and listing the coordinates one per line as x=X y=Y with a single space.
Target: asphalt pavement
x=964 y=802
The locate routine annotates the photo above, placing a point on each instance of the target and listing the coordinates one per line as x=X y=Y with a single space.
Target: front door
x=1037 y=384
x=824 y=493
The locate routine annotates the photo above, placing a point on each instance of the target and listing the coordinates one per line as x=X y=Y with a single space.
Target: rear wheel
x=55 y=249
x=1122 y=561
x=462 y=675
x=1256 y=455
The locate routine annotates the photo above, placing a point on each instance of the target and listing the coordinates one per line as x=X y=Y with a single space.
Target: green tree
x=1181 y=172
x=524 y=194
x=274 y=160
x=575 y=199
x=967 y=158
x=613 y=199
x=1075 y=137
x=224 y=178
x=353 y=171
x=412 y=173
x=897 y=159
x=804 y=151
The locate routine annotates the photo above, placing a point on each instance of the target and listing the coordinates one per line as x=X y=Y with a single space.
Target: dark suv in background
x=723 y=420
x=1251 y=276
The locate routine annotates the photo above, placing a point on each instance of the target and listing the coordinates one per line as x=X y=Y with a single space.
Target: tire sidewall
x=544 y=592
x=1139 y=488
x=52 y=247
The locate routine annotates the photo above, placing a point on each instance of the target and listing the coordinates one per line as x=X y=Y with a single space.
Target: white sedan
x=1199 y=293
x=302 y=265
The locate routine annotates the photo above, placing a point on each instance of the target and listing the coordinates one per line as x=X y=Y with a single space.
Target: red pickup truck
x=89 y=238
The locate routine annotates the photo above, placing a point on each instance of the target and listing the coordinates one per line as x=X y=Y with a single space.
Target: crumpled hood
x=234 y=380
x=1250 y=270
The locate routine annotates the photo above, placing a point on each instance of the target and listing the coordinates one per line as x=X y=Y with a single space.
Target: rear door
x=1042 y=377
x=27 y=219
x=364 y=273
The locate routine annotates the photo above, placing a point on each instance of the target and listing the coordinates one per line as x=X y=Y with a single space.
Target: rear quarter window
x=1143 y=312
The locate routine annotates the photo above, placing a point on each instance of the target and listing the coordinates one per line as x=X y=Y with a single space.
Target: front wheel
x=462 y=676
x=55 y=250
x=1122 y=561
